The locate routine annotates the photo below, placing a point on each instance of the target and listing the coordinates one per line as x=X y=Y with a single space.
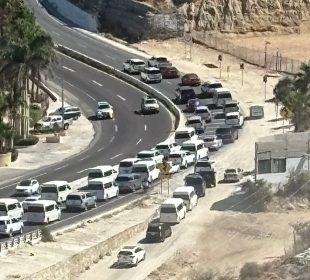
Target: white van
x=195 y=122
x=102 y=172
x=103 y=188
x=188 y=195
x=165 y=148
x=196 y=147
x=172 y=210
x=11 y=207
x=185 y=134
x=147 y=169
x=125 y=166
x=221 y=95
x=43 y=212
x=55 y=190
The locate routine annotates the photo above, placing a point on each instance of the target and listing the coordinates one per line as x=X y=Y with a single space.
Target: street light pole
x=266 y=44
x=62 y=104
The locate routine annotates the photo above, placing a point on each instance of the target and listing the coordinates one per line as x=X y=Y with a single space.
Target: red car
x=190 y=79
x=169 y=72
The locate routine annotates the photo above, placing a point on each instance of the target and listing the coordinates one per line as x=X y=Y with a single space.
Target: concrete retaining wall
x=69 y=268
x=180 y=120
x=74 y=14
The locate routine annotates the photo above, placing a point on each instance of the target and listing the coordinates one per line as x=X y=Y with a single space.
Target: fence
x=20 y=240
x=274 y=62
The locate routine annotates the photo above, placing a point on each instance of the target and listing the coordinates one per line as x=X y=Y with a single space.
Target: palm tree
x=294 y=94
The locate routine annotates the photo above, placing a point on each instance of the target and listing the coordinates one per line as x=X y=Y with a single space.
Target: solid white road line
x=99 y=150
x=40 y=174
x=145 y=127
x=61 y=167
x=139 y=141
x=116 y=128
x=96 y=83
x=69 y=69
x=56 y=33
x=83 y=158
x=121 y=97
x=90 y=96
x=115 y=156
x=112 y=139
x=82 y=170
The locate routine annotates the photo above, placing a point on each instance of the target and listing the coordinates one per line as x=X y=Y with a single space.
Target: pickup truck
x=69 y=112
x=52 y=122
x=183 y=158
x=234 y=119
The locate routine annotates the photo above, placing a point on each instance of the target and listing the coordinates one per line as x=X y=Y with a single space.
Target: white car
x=165 y=148
x=213 y=142
x=149 y=105
x=151 y=154
x=234 y=119
x=151 y=74
x=159 y=61
x=10 y=226
x=182 y=158
x=133 y=65
x=233 y=175
x=203 y=112
x=28 y=187
x=25 y=204
x=104 y=110
x=130 y=255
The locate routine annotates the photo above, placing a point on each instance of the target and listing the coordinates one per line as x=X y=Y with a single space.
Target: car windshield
x=125 y=164
x=234 y=117
x=73 y=197
x=138 y=62
x=31 y=199
x=208 y=139
x=223 y=131
x=205 y=95
x=153 y=72
x=167 y=209
x=153 y=229
x=188 y=92
x=230 y=170
x=215 y=85
x=145 y=155
x=191 y=181
x=94 y=186
x=203 y=164
x=125 y=253
x=49 y=190
x=123 y=179
x=104 y=106
x=36 y=208
x=2 y=223
x=224 y=95
x=25 y=183
x=181 y=135
x=175 y=156
x=193 y=121
x=2 y=208
x=183 y=196
x=149 y=101
x=231 y=105
x=162 y=147
x=139 y=169
x=190 y=148
x=200 y=111
x=94 y=174
x=162 y=59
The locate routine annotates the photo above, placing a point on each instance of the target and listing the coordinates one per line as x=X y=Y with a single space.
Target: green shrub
x=32 y=140
x=47 y=235
x=14 y=154
x=250 y=271
x=298 y=184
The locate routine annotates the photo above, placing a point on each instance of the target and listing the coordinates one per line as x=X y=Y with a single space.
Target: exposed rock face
x=145 y=19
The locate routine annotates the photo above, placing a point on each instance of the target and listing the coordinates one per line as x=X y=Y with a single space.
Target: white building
x=278 y=155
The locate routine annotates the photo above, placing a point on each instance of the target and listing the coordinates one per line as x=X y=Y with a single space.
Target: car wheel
x=136 y=263
x=75 y=118
x=21 y=230
x=59 y=216
x=85 y=207
x=107 y=197
x=144 y=257
x=10 y=233
x=66 y=126
x=117 y=193
x=186 y=165
x=95 y=204
x=47 y=221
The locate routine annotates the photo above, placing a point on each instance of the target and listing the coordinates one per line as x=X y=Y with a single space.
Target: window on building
x=264 y=166
x=279 y=165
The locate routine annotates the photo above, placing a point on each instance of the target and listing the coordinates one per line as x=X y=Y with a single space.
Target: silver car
x=81 y=201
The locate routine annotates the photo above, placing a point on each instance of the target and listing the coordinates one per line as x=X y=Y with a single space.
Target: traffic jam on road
x=213 y=120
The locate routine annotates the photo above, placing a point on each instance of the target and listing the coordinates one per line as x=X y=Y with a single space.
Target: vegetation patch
x=30 y=141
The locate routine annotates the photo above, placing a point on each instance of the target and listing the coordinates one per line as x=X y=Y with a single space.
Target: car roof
x=178 y=152
x=43 y=202
x=231 y=102
x=194 y=118
x=136 y=60
x=223 y=89
x=204 y=160
x=210 y=82
x=103 y=103
x=8 y=200
x=129 y=247
x=60 y=182
x=125 y=175
x=129 y=159
x=5 y=218
x=102 y=180
x=78 y=193
x=146 y=151
x=102 y=167
x=184 y=189
x=172 y=200
x=202 y=107
x=232 y=114
x=144 y=162
x=151 y=68
x=193 y=175
x=185 y=88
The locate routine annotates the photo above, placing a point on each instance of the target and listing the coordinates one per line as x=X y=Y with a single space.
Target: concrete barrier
x=180 y=120
x=76 y=264
x=5 y=159
x=53 y=139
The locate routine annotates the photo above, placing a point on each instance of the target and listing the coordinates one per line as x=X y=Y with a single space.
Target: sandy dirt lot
x=295 y=46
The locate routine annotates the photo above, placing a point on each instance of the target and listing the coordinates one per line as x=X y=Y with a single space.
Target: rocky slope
x=144 y=19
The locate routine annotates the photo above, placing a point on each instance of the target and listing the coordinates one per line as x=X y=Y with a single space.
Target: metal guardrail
x=20 y=240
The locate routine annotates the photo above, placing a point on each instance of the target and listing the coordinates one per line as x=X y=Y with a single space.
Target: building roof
x=289 y=145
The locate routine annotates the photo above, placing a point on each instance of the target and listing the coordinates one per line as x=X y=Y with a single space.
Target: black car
x=198 y=182
x=185 y=93
x=128 y=182
x=228 y=134
x=69 y=112
x=157 y=232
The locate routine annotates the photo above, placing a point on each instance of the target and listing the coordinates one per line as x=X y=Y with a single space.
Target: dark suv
x=185 y=93
x=157 y=232
x=198 y=182
x=70 y=112
x=228 y=134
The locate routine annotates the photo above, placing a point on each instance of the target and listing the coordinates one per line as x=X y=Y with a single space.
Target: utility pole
x=220 y=59
x=62 y=104
x=266 y=44
x=242 y=69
